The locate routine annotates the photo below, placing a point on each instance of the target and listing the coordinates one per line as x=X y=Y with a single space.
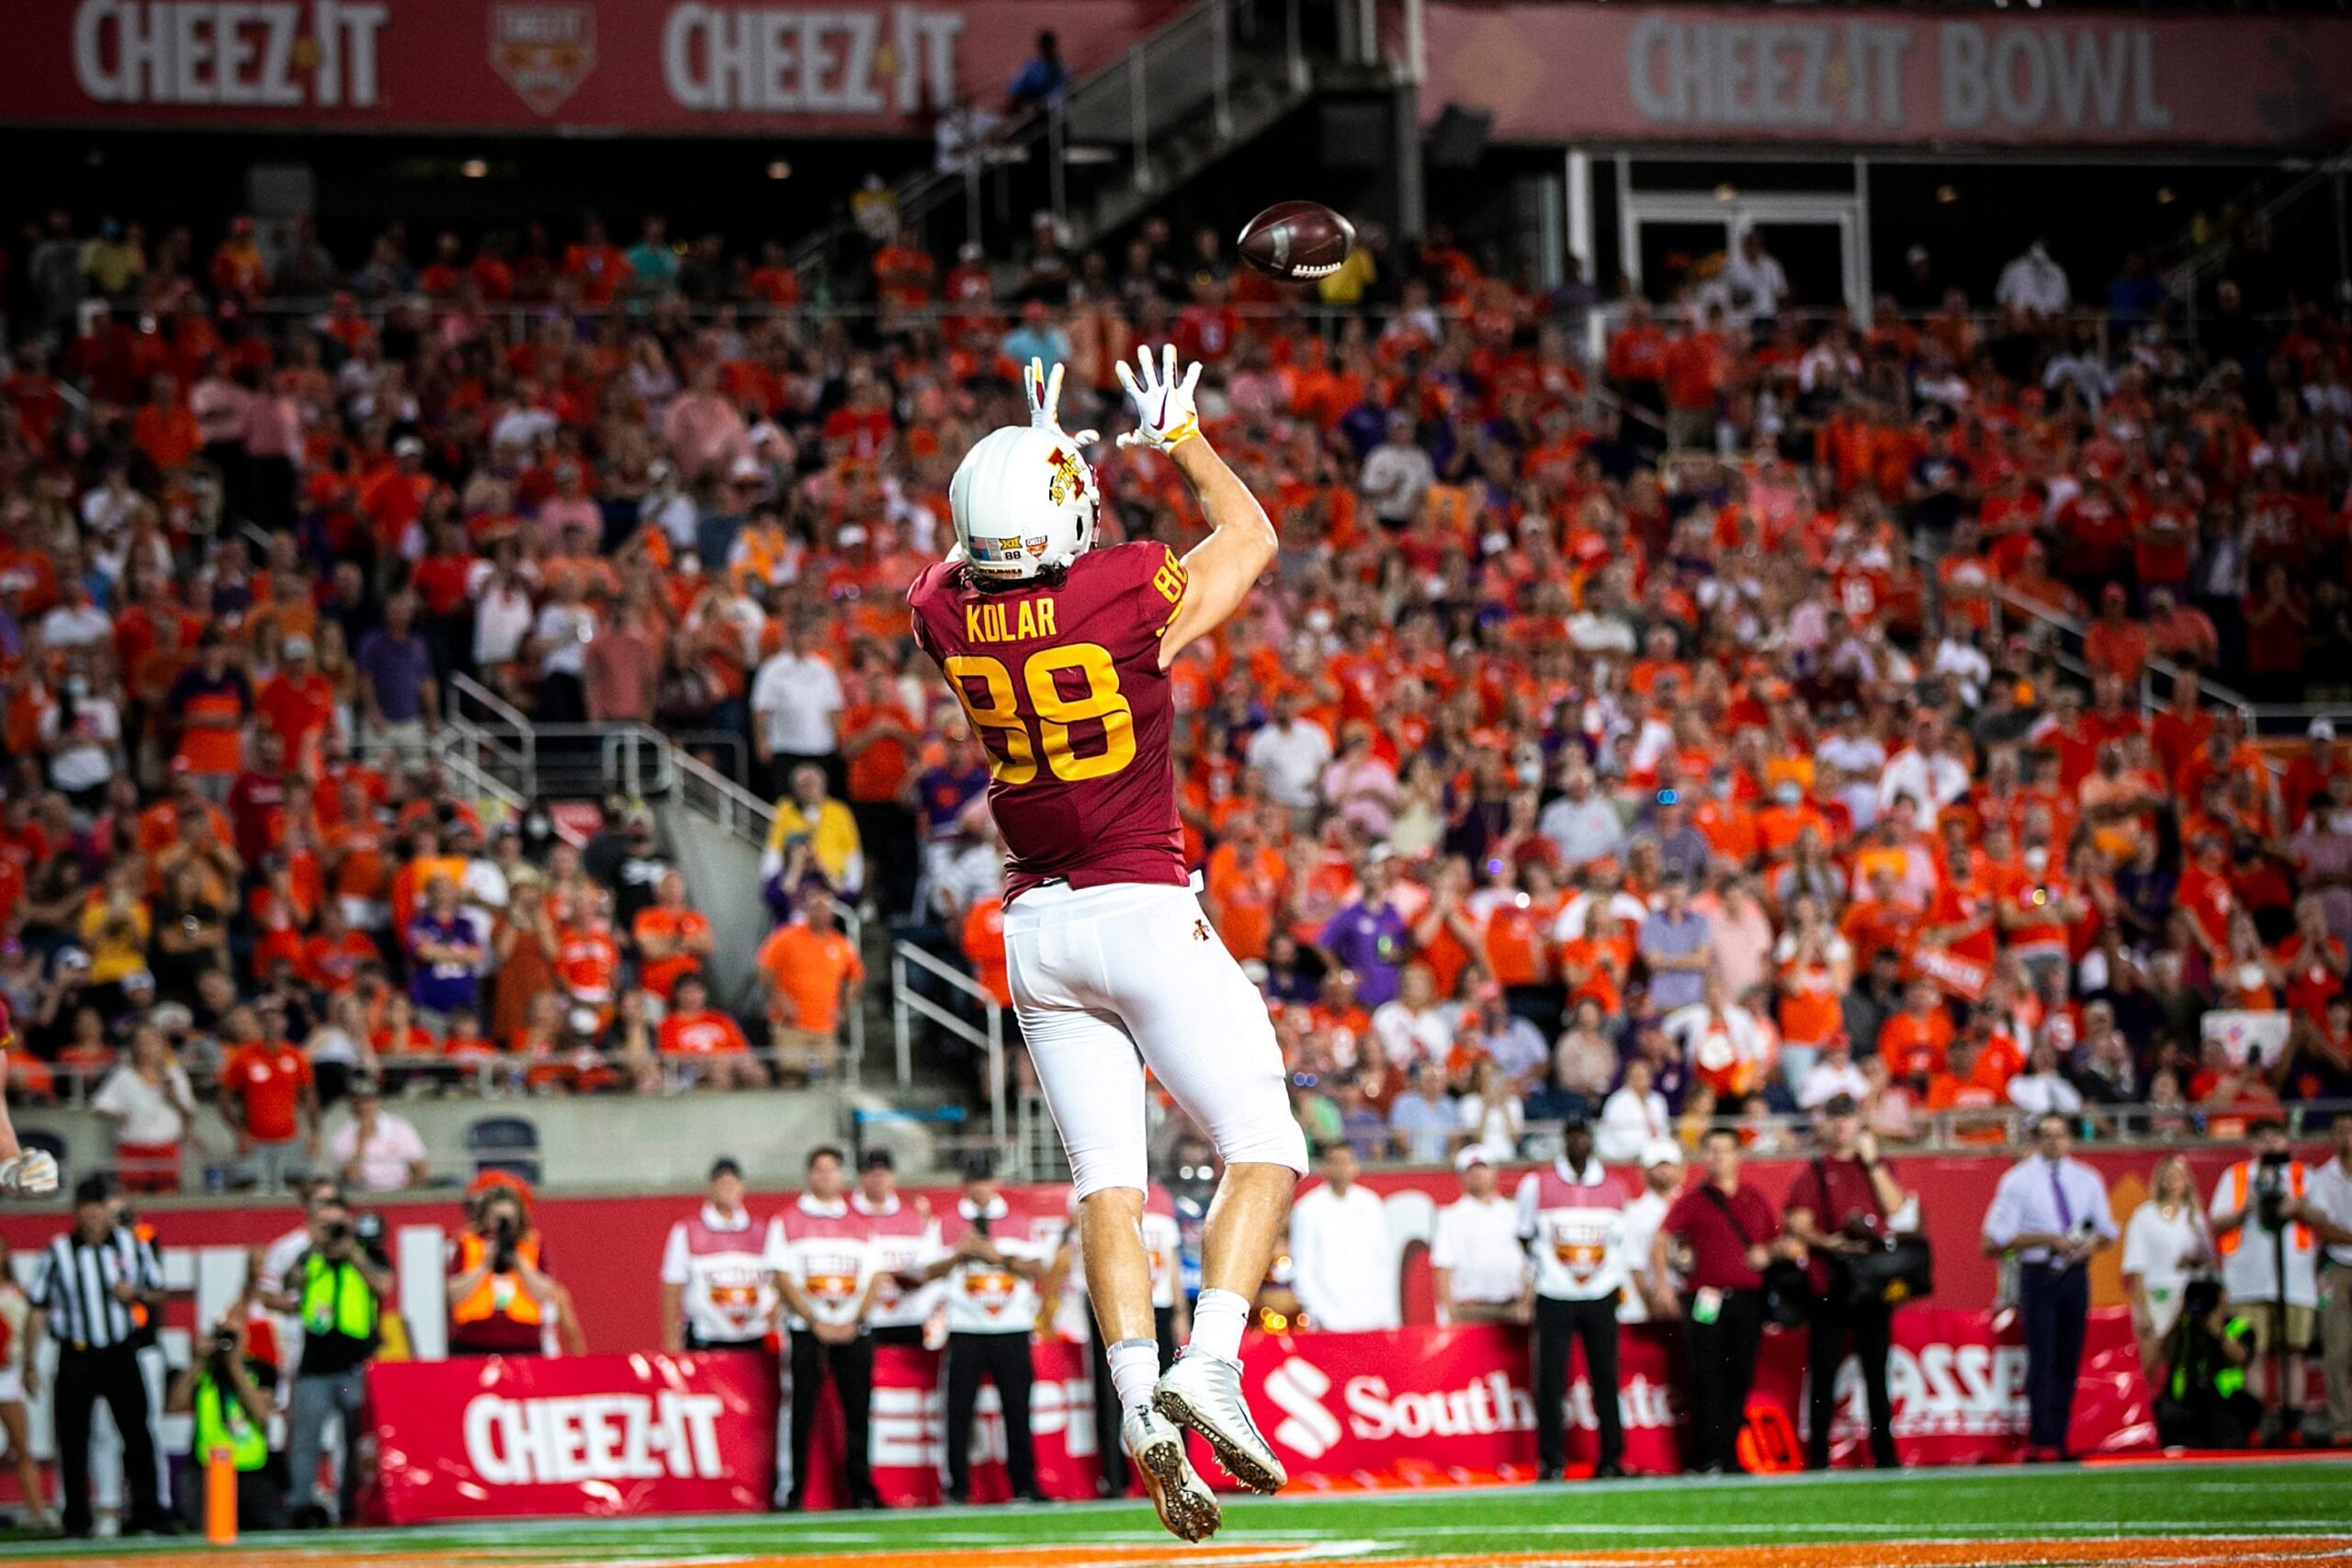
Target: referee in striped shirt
x=91 y=1279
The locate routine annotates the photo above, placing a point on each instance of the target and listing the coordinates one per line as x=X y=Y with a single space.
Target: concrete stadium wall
x=664 y=1143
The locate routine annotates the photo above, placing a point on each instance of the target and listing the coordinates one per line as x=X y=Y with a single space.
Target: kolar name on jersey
x=989 y=621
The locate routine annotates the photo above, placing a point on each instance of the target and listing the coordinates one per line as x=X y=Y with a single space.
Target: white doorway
x=1818 y=241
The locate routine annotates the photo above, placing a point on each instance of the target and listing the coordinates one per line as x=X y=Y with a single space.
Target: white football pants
x=1108 y=981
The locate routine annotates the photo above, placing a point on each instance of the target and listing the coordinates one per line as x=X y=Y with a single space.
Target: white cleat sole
x=1186 y=1506
x=1238 y=1462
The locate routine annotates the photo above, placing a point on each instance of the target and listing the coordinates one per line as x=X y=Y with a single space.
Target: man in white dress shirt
x=2052 y=1211
x=1344 y=1265
x=1481 y=1268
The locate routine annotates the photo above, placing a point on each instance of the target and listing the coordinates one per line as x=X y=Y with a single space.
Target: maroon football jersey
x=1063 y=685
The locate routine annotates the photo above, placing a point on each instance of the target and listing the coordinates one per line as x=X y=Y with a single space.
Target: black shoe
x=1609 y=1470
x=75 y=1532
x=866 y=1502
x=1033 y=1495
x=1547 y=1473
x=795 y=1503
x=956 y=1496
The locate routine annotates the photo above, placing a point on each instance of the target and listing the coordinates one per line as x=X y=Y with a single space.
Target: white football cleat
x=1156 y=1448
x=1204 y=1393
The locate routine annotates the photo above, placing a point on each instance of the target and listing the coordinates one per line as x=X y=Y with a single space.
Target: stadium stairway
x=1202 y=87
x=716 y=831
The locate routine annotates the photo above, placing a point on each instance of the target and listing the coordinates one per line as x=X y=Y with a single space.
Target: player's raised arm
x=1220 y=569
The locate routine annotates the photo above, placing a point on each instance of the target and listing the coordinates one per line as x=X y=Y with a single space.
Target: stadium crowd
x=1551 y=771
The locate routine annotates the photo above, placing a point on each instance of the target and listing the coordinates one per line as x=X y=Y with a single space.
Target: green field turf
x=1646 y=1522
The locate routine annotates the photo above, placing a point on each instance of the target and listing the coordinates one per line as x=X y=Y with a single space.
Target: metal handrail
x=905 y=1005
x=1046 y=128
x=2183 y=278
x=2008 y=599
x=506 y=712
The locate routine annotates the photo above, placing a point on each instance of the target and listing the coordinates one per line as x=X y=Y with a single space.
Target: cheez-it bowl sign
x=544 y=52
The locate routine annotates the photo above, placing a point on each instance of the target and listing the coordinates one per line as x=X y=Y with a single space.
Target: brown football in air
x=1297 y=242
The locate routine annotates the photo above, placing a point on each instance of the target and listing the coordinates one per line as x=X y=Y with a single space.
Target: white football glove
x=1165 y=417
x=1045 y=391
x=33 y=1171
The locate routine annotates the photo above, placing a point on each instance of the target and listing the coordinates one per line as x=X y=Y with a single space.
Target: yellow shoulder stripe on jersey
x=1172 y=581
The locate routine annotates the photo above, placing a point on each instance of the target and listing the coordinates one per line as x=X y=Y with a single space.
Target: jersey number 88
x=1054 y=714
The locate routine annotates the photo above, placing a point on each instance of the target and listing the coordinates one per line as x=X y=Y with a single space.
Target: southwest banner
x=1890 y=78
x=600 y=1435
x=1347 y=1410
x=677 y=67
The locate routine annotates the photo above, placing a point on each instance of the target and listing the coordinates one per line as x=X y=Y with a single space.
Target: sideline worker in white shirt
x=1482 y=1274
x=1661 y=1165
x=718 y=1288
x=1572 y=1221
x=1344 y=1265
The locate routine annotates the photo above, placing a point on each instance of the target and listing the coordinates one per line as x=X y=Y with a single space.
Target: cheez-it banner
x=1636 y=74
x=664 y=66
x=508 y=1436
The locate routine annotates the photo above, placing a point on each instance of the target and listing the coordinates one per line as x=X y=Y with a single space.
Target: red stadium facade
x=491 y=65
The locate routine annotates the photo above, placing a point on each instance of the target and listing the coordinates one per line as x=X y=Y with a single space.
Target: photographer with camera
x=501 y=1300
x=337 y=1289
x=2269 y=1253
x=2202 y=1401
x=228 y=1393
x=1843 y=1206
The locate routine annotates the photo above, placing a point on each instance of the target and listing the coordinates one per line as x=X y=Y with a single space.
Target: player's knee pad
x=1126 y=1165
x=1262 y=1140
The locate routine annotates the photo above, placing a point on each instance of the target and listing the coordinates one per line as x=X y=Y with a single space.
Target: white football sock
x=1134 y=1367
x=1218 y=1318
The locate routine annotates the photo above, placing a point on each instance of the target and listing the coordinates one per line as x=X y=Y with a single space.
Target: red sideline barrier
x=604 y=1434
x=1423 y=1406
x=908 y=1452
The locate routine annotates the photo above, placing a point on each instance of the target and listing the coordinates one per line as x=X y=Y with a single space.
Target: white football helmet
x=1023 y=497
x=1024 y=502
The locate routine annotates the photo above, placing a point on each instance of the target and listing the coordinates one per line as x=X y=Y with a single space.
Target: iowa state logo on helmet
x=543 y=51
x=1071 y=477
